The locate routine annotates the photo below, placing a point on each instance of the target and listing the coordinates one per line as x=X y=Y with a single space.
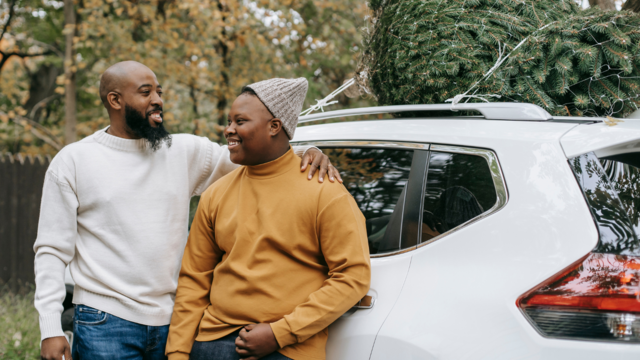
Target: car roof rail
x=490 y=111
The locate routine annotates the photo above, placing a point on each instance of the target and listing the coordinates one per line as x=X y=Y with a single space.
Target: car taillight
x=596 y=298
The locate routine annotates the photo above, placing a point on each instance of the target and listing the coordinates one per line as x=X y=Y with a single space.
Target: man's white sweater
x=117 y=213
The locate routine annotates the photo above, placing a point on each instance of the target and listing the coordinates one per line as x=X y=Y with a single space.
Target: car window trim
x=414 y=201
x=502 y=194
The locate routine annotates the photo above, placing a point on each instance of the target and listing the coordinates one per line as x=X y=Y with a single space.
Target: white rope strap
x=456 y=99
x=325 y=102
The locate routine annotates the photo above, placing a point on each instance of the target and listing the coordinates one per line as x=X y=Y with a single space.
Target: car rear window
x=611 y=189
x=624 y=173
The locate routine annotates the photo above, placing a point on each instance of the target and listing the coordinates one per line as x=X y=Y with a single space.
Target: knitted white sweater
x=117 y=213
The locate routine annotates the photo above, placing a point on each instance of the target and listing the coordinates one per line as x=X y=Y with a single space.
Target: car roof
x=499 y=123
x=460 y=131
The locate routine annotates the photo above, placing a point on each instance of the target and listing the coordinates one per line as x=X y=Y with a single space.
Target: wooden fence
x=21 y=180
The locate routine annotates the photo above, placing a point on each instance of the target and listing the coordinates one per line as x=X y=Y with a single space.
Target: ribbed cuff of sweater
x=178 y=356
x=301 y=150
x=282 y=332
x=50 y=326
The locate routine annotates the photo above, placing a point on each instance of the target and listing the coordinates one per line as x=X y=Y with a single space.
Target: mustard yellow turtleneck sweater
x=269 y=246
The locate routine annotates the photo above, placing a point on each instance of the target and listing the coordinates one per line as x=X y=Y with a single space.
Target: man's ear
x=114 y=100
x=275 y=127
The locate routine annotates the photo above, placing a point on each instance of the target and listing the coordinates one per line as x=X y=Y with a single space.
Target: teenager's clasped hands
x=256 y=341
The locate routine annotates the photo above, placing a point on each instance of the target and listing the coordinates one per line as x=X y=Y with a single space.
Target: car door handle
x=366 y=302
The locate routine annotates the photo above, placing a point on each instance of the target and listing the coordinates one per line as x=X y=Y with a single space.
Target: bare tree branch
x=51 y=47
x=11 y=13
x=6 y=56
x=42 y=103
x=36 y=129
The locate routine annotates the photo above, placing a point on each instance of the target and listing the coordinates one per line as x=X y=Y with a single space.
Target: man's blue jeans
x=223 y=349
x=98 y=335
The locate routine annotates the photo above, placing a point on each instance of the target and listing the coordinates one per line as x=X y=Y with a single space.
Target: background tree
x=203 y=52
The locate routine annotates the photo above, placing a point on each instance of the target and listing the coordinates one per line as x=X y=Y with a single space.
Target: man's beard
x=139 y=125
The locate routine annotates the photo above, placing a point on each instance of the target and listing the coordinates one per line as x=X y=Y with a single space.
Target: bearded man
x=114 y=208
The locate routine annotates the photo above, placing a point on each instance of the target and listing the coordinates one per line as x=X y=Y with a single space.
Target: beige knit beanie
x=284 y=98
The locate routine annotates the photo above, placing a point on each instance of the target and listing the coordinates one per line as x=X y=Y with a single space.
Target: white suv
x=508 y=235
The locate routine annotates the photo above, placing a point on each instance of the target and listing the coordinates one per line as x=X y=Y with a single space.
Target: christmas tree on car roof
x=571 y=62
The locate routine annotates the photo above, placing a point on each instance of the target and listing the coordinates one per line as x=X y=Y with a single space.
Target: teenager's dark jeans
x=100 y=336
x=223 y=349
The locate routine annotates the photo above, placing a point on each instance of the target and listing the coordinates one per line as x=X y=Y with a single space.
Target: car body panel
x=602 y=138
x=459 y=297
x=465 y=285
x=352 y=336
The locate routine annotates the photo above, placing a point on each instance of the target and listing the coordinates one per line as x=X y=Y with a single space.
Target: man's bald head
x=117 y=76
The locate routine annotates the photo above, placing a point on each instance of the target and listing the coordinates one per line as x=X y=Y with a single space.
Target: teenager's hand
x=53 y=348
x=315 y=159
x=256 y=341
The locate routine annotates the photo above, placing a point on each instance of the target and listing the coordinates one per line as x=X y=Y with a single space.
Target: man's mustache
x=153 y=110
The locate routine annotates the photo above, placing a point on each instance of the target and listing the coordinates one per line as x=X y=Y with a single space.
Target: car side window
x=377 y=180
x=459 y=188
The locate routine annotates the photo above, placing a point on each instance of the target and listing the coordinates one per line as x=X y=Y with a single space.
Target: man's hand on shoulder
x=54 y=347
x=320 y=162
x=256 y=341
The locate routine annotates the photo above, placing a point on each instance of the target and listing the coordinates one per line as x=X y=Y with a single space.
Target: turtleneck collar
x=273 y=168
x=118 y=143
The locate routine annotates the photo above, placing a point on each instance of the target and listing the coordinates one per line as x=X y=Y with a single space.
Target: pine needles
x=573 y=62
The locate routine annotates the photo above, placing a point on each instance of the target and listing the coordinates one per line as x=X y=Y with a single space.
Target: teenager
x=114 y=207
x=271 y=261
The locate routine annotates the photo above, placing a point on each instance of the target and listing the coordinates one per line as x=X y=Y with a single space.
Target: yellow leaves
x=21 y=111
x=169 y=116
x=60 y=79
x=609 y=121
x=11 y=114
x=119 y=11
x=59 y=90
x=69 y=29
x=4 y=118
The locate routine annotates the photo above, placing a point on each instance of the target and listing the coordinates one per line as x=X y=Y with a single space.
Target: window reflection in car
x=377 y=179
x=617 y=235
x=459 y=188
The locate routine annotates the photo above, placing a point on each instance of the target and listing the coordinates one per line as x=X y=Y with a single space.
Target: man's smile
x=156 y=116
x=232 y=143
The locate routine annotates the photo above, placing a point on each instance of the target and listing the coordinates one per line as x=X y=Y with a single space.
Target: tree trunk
x=603 y=4
x=223 y=51
x=42 y=86
x=632 y=5
x=70 y=73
